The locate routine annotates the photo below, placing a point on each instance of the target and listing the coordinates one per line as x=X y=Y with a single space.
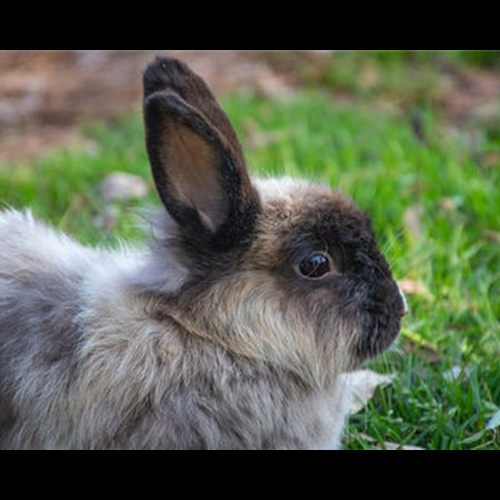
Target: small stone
x=120 y=186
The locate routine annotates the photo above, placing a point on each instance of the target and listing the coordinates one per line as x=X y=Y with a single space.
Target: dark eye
x=315 y=266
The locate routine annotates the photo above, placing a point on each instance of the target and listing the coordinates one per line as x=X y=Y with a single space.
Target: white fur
x=285 y=188
x=24 y=242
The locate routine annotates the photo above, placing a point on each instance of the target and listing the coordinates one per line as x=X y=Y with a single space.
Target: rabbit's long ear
x=197 y=161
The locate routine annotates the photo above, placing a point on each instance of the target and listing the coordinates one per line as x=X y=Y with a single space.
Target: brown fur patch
x=308 y=208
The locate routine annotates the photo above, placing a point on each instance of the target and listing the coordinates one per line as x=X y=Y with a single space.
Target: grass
x=435 y=205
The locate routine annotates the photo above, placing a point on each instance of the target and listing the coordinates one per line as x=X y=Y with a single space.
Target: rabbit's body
x=89 y=359
x=229 y=330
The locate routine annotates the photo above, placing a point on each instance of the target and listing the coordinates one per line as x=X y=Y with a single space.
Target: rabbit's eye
x=315 y=266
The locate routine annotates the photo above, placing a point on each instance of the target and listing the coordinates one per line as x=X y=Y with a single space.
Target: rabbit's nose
x=406 y=309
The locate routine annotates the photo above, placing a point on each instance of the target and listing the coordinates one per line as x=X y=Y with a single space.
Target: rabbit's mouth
x=380 y=321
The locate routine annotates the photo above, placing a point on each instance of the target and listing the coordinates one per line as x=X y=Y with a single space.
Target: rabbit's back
x=79 y=348
x=41 y=274
x=85 y=363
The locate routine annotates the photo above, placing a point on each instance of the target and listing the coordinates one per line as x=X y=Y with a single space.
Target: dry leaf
x=492 y=236
x=494 y=423
x=391 y=446
x=415 y=288
x=448 y=205
x=398 y=447
x=361 y=386
x=491 y=160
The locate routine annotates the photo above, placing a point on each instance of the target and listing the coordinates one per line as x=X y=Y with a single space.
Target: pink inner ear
x=194 y=173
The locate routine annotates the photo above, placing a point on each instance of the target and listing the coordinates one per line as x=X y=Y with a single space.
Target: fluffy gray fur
x=84 y=365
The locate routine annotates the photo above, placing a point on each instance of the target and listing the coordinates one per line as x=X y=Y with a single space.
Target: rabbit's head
x=280 y=271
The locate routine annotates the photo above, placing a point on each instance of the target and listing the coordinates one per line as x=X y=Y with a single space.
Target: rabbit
x=230 y=329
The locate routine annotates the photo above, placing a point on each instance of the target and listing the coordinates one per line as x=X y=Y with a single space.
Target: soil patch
x=46 y=95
